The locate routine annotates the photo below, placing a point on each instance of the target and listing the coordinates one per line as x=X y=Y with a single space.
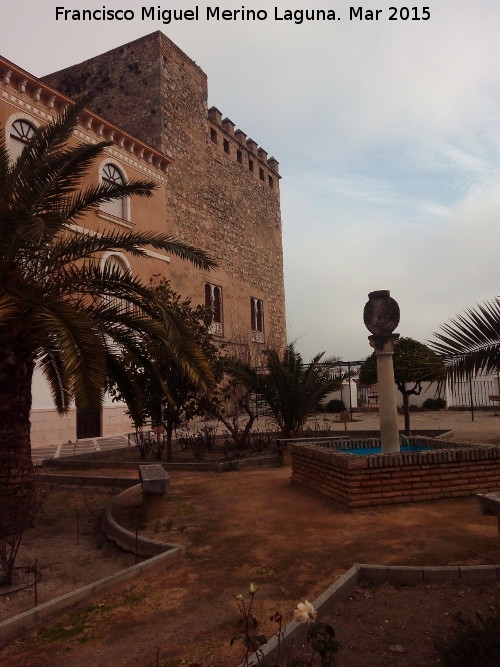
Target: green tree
x=169 y=396
x=470 y=343
x=291 y=389
x=58 y=308
x=414 y=363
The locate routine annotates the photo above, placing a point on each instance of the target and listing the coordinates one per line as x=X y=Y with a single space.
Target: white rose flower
x=305 y=612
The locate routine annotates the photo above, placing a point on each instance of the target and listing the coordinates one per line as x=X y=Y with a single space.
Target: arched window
x=115 y=263
x=21 y=132
x=113 y=176
x=118 y=266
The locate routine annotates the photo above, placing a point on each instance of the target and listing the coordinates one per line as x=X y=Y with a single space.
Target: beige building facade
x=216 y=189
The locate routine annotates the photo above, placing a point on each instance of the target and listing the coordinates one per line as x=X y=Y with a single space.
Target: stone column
x=381 y=317
x=383 y=345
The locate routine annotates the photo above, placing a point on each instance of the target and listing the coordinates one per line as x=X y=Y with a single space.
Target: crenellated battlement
x=245 y=150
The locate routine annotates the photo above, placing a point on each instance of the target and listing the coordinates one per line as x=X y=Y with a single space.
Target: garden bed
x=233 y=529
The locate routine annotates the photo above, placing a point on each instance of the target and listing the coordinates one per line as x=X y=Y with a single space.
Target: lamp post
x=381 y=317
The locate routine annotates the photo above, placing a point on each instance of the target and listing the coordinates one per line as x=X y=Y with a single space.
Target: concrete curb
x=91 y=480
x=375 y=574
x=127 y=540
x=161 y=555
x=202 y=466
x=41 y=614
x=448 y=434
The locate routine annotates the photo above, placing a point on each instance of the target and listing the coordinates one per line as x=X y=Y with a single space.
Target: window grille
x=257 y=319
x=21 y=132
x=213 y=302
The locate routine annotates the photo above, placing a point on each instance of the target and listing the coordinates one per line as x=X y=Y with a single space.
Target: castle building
x=217 y=190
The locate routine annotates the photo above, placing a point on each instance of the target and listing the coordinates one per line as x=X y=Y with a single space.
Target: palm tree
x=291 y=389
x=58 y=308
x=470 y=343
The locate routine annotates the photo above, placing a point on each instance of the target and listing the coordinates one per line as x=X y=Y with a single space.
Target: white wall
x=50 y=428
x=343 y=395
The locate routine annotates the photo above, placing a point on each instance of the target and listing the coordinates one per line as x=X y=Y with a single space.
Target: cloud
x=388 y=139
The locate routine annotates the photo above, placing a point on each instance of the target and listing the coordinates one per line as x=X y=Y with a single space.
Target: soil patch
x=244 y=526
x=68 y=546
x=387 y=625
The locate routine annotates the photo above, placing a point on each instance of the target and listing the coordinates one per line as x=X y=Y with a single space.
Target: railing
x=368 y=397
x=475 y=392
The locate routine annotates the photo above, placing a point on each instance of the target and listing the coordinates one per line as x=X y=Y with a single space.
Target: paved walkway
x=484 y=428
x=88 y=446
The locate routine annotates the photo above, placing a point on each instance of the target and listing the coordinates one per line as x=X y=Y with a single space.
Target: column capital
x=383 y=343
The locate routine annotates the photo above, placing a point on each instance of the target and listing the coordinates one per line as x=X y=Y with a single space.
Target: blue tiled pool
x=378 y=450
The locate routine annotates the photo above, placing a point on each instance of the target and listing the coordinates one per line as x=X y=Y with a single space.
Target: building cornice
x=27 y=93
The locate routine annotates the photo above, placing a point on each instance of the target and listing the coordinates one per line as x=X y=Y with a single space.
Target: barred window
x=213 y=302
x=257 y=319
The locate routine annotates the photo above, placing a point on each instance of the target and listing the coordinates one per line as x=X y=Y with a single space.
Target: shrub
x=199 y=442
x=471 y=643
x=142 y=440
x=434 y=404
x=335 y=405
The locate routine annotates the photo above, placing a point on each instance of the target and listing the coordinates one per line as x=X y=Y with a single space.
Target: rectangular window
x=213 y=302
x=250 y=165
x=270 y=181
x=226 y=146
x=213 y=135
x=261 y=173
x=239 y=156
x=257 y=319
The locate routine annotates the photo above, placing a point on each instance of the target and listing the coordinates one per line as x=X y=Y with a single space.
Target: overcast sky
x=387 y=133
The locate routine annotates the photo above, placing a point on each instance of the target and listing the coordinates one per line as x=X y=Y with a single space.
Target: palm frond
x=79 y=320
x=54 y=371
x=470 y=343
x=67 y=250
x=4 y=161
x=9 y=308
x=48 y=140
x=291 y=389
x=80 y=348
x=81 y=202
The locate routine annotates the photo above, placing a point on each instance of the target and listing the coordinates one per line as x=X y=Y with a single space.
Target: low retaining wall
x=449 y=470
x=342 y=436
x=163 y=555
x=77 y=463
x=14 y=626
x=89 y=480
x=376 y=574
x=127 y=540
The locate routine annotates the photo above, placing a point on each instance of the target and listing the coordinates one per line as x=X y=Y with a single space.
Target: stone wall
x=222 y=189
x=451 y=470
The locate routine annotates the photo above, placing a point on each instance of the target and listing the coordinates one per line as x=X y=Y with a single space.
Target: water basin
x=378 y=450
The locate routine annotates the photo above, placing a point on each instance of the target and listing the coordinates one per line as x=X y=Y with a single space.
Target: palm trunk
x=16 y=469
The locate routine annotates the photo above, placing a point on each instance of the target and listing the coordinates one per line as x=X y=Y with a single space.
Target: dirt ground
x=244 y=526
x=76 y=554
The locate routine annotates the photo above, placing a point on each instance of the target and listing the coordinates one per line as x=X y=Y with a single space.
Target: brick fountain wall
x=448 y=470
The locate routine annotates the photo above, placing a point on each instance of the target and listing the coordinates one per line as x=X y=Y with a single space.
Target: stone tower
x=222 y=189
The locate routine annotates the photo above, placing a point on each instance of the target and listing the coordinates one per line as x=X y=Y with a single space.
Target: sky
x=387 y=133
